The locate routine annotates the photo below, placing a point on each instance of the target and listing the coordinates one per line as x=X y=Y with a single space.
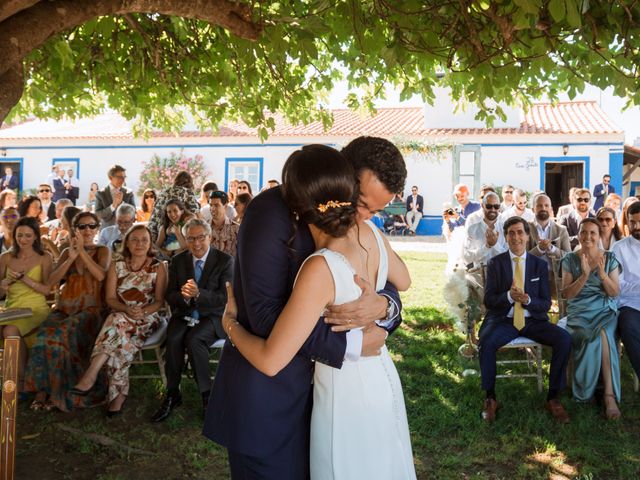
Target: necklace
x=131 y=267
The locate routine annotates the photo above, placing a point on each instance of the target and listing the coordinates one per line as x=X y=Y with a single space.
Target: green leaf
x=573 y=15
x=557 y=10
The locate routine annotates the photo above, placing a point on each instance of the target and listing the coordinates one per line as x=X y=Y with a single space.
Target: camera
x=450 y=211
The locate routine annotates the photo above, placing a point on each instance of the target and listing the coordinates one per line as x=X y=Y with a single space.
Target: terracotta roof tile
x=582 y=117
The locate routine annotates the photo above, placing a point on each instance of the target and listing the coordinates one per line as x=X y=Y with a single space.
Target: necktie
x=518 y=310
x=198 y=276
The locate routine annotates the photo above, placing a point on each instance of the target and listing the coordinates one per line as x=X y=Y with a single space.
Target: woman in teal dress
x=590 y=283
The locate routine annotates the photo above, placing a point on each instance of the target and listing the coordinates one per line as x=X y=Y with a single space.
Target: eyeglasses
x=583 y=200
x=84 y=226
x=606 y=219
x=121 y=177
x=495 y=207
x=197 y=238
x=508 y=191
x=10 y=216
x=44 y=191
x=149 y=196
x=243 y=187
x=124 y=222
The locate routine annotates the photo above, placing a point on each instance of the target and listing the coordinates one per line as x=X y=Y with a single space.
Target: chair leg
x=539 y=367
x=635 y=382
x=160 y=358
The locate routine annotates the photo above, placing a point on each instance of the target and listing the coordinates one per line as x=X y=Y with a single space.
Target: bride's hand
x=230 y=315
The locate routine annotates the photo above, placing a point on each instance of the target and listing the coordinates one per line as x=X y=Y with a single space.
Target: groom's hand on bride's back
x=373 y=338
x=361 y=312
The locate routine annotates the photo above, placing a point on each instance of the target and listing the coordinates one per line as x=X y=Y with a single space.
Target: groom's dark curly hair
x=381 y=157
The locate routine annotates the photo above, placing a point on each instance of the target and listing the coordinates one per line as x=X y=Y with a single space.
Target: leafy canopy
x=162 y=70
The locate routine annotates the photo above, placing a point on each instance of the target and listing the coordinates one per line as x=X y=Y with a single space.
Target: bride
x=359 y=425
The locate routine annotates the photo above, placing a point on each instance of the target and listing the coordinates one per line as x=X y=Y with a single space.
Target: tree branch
x=11 y=7
x=29 y=29
x=11 y=88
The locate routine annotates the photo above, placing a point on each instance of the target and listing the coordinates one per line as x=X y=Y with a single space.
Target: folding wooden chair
x=156 y=343
x=9 y=357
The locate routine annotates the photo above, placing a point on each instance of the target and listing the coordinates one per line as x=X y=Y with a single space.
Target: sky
x=628 y=120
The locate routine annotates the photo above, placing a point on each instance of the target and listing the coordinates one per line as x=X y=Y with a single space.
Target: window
x=249 y=169
x=466 y=167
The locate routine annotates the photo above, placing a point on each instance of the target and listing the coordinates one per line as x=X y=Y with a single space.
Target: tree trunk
x=33 y=23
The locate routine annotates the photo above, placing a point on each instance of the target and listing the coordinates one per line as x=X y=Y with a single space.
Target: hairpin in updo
x=323 y=207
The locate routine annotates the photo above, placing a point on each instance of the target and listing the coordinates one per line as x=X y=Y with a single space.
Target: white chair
x=156 y=343
x=533 y=355
x=216 y=351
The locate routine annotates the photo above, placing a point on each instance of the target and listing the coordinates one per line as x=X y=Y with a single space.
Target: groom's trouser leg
x=492 y=337
x=291 y=462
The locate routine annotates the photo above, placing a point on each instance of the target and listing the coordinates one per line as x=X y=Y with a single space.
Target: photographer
x=456 y=217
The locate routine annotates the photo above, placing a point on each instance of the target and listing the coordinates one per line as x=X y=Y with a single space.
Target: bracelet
x=229 y=332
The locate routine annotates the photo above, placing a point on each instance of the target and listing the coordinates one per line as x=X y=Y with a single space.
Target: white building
x=549 y=148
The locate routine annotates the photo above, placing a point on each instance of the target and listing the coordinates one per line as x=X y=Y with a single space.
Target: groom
x=264 y=421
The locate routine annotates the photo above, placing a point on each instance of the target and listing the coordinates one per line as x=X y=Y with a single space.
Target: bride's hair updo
x=318 y=184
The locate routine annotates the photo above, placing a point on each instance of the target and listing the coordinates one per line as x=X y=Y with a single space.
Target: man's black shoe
x=168 y=404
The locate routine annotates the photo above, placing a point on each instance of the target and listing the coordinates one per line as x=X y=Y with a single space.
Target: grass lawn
x=449 y=439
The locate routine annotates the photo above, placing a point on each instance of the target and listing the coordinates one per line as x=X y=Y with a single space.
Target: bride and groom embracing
x=277 y=415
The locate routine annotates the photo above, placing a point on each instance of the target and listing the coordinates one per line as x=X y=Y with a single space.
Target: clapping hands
x=518 y=295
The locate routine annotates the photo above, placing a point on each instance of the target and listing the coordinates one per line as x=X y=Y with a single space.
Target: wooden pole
x=9 y=364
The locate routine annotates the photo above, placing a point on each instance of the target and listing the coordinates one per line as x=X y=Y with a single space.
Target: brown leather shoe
x=557 y=411
x=489 y=409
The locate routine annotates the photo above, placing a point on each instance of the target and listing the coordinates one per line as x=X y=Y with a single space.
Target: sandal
x=37 y=405
x=611 y=413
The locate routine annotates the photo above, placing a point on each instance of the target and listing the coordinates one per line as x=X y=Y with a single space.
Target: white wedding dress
x=359 y=426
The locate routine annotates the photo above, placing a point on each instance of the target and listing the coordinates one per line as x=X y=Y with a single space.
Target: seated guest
x=517 y=299
x=609 y=230
x=30 y=206
x=548 y=240
x=627 y=251
x=91 y=198
x=590 y=284
x=519 y=208
x=614 y=201
x=112 y=236
x=243 y=187
x=415 y=206
x=456 y=217
x=196 y=290
x=224 y=233
x=48 y=207
x=478 y=215
x=148 y=201
x=53 y=226
x=8 y=219
x=181 y=190
x=63 y=344
x=170 y=238
x=25 y=271
x=205 y=210
x=566 y=209
x=622 y=221
x=242 y=202
x=58 y=239
x=8 y=199
x=205 y=191
x=581 y=210
x=507 y=197
x=484 y=239
x=135 y=289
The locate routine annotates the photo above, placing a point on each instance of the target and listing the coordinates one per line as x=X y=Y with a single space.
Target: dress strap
x=383 y=267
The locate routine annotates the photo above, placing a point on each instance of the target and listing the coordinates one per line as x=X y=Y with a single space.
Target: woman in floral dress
x=63 y=344
x=135 y=289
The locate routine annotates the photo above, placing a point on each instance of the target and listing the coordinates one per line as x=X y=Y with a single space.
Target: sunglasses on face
x=508 y=191
x=583 y=200
x=11 y=216
x=84 y=226
x=495 y=207
x=44 y=191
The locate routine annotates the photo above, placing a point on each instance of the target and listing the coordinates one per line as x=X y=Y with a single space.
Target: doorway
x=559 y=178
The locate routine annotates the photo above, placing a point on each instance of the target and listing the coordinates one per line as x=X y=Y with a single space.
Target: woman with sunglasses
x=135 y=290
x=62 y=349
x=244 y=187
x=609 y=229
x=25 y=271
x=170 y=238
x=143 y=214
x=8 y=219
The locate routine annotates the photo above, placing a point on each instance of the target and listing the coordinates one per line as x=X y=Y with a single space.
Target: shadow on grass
x=451 y=441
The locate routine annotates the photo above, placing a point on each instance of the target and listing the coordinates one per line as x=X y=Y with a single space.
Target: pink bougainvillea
x=159 y=172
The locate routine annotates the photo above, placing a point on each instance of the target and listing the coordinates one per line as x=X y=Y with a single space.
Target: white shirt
x=476 y=250
x=474 y=218
x=414 y=200
x=205 y=212
x=627 y=251
x=545 y=234
x=528 y=214
x=203 y=258
x=523 y=263
x=109 y=235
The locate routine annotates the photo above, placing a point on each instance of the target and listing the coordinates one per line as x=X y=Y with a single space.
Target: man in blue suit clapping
x=517 y=297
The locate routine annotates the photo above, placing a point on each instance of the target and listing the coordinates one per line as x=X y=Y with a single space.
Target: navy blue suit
x=497 y=329
x=58 y=189
x=12 y=183
x=264 y=421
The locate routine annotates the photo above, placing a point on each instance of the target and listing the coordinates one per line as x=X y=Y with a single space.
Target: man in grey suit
x=110 y=198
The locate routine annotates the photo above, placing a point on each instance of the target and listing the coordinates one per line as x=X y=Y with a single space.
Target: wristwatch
x=390 y=309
